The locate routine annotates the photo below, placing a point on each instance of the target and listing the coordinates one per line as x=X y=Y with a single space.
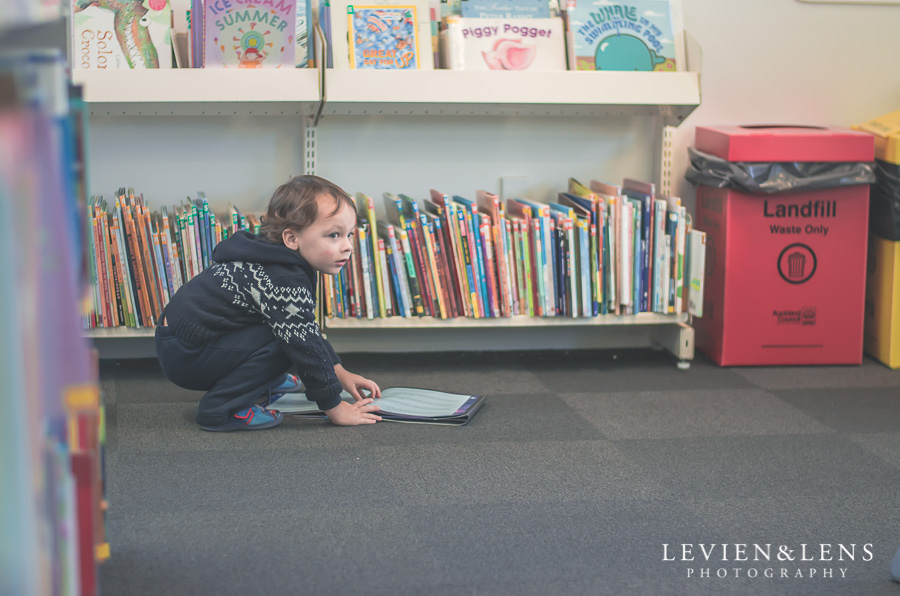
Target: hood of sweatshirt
x=244 y=246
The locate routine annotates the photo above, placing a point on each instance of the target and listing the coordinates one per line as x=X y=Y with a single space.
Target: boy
x=235 y=329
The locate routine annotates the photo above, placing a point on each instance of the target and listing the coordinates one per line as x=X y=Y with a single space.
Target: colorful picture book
x=304 y=56
x=383 y=37
x=244 y=35
x=641 y=35
x=696 y=272
x=504 y=44
x=399 y=404
x=129 y=34
x=381 y=34
x=505 y=9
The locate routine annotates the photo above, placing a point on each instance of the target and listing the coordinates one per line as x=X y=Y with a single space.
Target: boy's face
x=327 y=243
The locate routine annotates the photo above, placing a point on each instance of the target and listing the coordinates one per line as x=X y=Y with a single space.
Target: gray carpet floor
x=572 y=478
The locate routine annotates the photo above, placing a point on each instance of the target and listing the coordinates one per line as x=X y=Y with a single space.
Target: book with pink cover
x=254 y=34
x=504 y=44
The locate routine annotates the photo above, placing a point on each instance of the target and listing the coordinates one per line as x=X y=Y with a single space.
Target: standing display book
x=504 y=44
x=377 y=38
x=399 y=404
x=384 y=37
x=239 y=35
x=641 y=35
x=521 y=9
x=111 y=35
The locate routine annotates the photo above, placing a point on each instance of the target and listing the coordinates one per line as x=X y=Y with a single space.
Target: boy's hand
x=352 y=383
x=347 y=414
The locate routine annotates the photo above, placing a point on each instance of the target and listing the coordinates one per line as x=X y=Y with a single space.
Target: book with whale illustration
x=637 y=35
x=398 y=404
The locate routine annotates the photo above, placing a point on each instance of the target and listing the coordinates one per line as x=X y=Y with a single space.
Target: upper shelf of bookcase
x=199 y=92
x=569 y=93
x=439 y=92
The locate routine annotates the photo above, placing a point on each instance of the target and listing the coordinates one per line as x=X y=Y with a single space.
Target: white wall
x=785 y=61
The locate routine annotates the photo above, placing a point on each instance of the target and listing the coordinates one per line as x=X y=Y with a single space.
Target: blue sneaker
x=289 y=384
x=254 y=418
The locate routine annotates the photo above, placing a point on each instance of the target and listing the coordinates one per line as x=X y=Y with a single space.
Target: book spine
x=539 y=268
x=208 y=228
x=478 y=286
x=490 y=269
x=660 y=283
x=112 y=249
x=639 y=253
x=195 y=236
x=518 y=260
x=586 y=274
x=143 y=223
x=109 y=262
x=161 y=274
x=511 y=281
x=672 y=236
x=400 y=272
x=394 y=280
x=379 y=263
x=646 y=268
x=132 y=319
x=596 y=257
x=145 y=266
x=104 y=313
x=366 y=273
x=442 y=252
x=433 y=268
x=414 y=286
x=625 y=249
x=387 y=306
x=97 y=319
x=493 y=233
x=412 y=234
x=136 y=268
x=528 y=278
x=451 y=257
x=549 y=261
x=610 y=236
x=480 y=267
x=467 y=245
x=353 y=282
x=112 y=245
x=465 y=294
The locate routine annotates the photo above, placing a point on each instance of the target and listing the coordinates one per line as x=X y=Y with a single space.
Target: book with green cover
x=399 y=404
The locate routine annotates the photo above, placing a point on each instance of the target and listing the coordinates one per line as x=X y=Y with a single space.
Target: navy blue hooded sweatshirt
x=256 y=282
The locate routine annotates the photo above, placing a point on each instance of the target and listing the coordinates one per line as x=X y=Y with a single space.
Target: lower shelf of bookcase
x=398 y=334
x=119 y=332
x=645 y=318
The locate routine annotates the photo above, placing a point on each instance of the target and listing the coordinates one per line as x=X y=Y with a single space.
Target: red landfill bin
x=785 y=279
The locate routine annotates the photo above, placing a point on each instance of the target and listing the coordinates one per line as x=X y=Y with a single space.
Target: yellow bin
x=881 y=338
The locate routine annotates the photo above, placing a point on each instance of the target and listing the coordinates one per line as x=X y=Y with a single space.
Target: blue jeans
x=236 y=370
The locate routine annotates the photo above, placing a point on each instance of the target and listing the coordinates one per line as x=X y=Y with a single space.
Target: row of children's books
x=535 y=35
x=140 y=257
x=598 y=249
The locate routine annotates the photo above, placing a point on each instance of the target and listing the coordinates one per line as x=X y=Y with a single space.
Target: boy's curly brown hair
x=294 y=205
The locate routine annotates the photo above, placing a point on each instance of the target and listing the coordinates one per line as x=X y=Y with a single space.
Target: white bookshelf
x=644 y=318
x=464 y=93
x=673 y=96
x=665 y=98
x=199 y=91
